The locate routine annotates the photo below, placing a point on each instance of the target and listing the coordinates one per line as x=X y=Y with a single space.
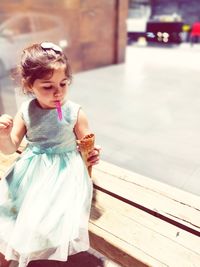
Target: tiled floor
x=145 y=113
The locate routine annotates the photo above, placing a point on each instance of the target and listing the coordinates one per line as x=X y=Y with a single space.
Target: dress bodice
x=45 y=130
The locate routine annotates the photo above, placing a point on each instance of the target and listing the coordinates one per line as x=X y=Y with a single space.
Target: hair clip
x=49 y=45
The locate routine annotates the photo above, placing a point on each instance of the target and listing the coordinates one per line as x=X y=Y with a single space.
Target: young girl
x=45 y=199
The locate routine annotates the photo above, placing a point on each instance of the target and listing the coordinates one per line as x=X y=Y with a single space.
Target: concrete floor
x=145 y=113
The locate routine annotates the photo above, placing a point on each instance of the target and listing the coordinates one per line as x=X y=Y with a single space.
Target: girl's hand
x=6 y=124
x=94 y=156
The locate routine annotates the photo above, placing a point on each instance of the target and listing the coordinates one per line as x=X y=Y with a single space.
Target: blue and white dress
x=45 y=198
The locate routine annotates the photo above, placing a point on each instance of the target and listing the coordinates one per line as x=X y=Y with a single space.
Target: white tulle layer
x=45 y=204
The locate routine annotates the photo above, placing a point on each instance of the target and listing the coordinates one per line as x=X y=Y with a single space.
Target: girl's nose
x=58 y=92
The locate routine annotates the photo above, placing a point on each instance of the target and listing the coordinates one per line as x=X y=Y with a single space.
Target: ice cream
x=86 y=145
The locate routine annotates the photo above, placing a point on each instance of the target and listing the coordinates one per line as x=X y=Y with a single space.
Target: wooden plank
x=6 y=161
x=140 y=236
x=184 y=238
x=170 y=202
x=99 y=242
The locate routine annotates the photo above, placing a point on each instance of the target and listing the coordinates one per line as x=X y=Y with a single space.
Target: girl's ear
x=26 y=86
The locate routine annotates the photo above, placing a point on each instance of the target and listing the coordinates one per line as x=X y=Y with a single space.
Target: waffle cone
x=86 y=145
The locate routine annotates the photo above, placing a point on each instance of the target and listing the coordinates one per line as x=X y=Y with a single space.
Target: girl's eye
x=47 y=87
x=52 y=87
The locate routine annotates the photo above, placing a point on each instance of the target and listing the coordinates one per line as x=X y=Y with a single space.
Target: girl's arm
x=81 y=129
x=11 y=133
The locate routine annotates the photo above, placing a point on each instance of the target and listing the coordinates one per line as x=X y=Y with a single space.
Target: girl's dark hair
x=38 y=62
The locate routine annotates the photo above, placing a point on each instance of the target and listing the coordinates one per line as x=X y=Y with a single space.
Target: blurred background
x=163 y=21
x=136 y=74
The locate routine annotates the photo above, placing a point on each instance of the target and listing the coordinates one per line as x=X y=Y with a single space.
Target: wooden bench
x=140 y=222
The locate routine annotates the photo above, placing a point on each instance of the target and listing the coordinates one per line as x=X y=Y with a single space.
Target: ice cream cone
x=86 y=145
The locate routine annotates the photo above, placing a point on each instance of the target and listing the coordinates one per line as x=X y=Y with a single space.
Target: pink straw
x=59 y=110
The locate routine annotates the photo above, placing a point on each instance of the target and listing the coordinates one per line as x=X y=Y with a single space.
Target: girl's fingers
x=93 y=161
x=4 y=125
x=6 y=121
x=95 y=151
x=94 y=156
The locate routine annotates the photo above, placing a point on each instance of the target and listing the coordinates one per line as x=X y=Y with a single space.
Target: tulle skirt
x=45 y=202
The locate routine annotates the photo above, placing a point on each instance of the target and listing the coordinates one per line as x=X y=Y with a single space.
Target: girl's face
x=48 y=90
